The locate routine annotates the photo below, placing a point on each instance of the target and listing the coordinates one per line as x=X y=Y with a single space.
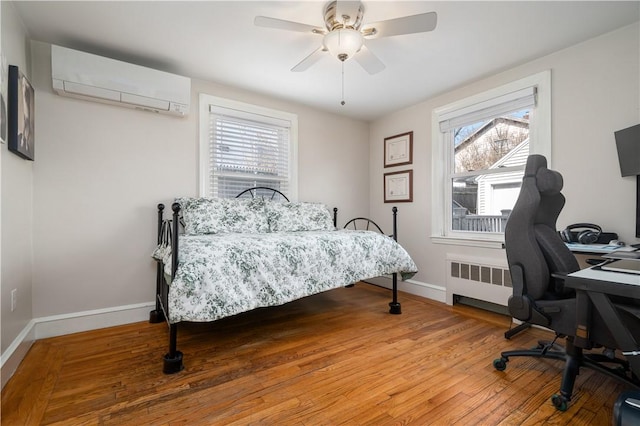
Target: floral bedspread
x=220 y=275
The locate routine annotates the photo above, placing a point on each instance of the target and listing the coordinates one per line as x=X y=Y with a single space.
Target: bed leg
x=173 y=360
x=394 y=306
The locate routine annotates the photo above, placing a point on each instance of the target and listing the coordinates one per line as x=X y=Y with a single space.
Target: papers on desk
x=624 y=253
x=631 y=266
x=591 y=248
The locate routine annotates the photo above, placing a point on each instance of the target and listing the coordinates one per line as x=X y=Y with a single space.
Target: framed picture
x=21 y=118
x=398 y=150
x=398 y=187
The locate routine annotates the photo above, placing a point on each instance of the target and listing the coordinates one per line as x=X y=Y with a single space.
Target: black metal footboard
x=366 y=224
x=172 y=359
x=157 y=315
x=394 y=305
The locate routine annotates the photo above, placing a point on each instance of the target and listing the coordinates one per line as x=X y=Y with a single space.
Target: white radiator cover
x=479 y=278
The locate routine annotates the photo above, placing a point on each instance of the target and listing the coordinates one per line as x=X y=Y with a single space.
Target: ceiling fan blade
x=406 y=25
x=314 y=57
x=281 y=24
x=369 y=61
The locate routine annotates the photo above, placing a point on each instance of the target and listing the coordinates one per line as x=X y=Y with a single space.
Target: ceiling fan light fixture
x=343 y=43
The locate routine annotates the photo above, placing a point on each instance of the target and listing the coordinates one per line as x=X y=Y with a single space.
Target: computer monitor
x=638 y=206
x=628 y=144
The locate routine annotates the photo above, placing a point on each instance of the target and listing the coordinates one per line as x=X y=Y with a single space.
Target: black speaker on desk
x=607 y=237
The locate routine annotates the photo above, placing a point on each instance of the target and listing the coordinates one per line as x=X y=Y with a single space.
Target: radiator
x=478 y=278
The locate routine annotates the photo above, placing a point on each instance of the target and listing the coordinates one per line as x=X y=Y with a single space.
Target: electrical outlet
x=14 y=299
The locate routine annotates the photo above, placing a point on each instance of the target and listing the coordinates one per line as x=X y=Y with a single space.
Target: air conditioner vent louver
x=91 y=77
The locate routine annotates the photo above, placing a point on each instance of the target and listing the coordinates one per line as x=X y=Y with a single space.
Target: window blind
x=504 y=104
x=247 y=150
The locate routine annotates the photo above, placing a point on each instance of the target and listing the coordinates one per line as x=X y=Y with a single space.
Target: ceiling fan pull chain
x=342 y=64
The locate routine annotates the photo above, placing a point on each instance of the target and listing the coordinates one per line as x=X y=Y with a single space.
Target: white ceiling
x=217 y=41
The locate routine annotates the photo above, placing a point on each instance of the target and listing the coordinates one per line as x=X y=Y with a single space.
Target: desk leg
x=620 y=333
x=583 y=310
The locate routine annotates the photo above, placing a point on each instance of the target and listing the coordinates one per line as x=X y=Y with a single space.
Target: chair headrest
x=549 y=182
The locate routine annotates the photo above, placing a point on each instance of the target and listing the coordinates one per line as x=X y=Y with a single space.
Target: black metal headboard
x=362 y=223
x=263 y=192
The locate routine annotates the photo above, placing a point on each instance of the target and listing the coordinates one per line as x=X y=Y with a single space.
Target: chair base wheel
x=500 y=364
x=560 y=402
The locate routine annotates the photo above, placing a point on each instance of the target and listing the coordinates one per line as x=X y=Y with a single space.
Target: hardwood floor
x=333 y=358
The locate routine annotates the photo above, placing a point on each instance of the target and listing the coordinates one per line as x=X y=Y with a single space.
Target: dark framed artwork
x=398 y=150
x=21 y=109
x=398 y=187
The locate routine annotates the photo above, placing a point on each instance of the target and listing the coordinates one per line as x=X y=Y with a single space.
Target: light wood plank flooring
x=333 y=358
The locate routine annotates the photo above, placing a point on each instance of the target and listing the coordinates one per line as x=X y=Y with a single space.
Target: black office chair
x=538 y=260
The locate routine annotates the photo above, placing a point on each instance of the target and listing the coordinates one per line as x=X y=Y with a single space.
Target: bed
x=221 y=257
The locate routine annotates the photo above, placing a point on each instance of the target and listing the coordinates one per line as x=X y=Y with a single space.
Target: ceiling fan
x=345 y=34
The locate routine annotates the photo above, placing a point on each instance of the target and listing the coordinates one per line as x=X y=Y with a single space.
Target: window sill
x=468 y=242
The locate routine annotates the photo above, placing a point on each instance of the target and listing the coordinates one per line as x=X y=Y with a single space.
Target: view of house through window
x=484 y=187
x=479 y=151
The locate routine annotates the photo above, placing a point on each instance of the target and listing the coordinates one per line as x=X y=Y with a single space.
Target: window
x=243 y=146
x=480 y=147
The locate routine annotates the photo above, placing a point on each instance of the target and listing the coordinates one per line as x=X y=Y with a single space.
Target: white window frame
x=441 y=161
x=205 y=103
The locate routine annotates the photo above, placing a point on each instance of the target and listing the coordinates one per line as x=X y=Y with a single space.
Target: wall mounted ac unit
x=86 y=76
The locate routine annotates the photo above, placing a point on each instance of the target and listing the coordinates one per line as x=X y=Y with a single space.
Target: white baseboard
x=15 y=353
x=429 y=291
x=58 y=325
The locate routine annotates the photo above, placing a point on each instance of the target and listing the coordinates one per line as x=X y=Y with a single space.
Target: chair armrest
x=520 y=305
